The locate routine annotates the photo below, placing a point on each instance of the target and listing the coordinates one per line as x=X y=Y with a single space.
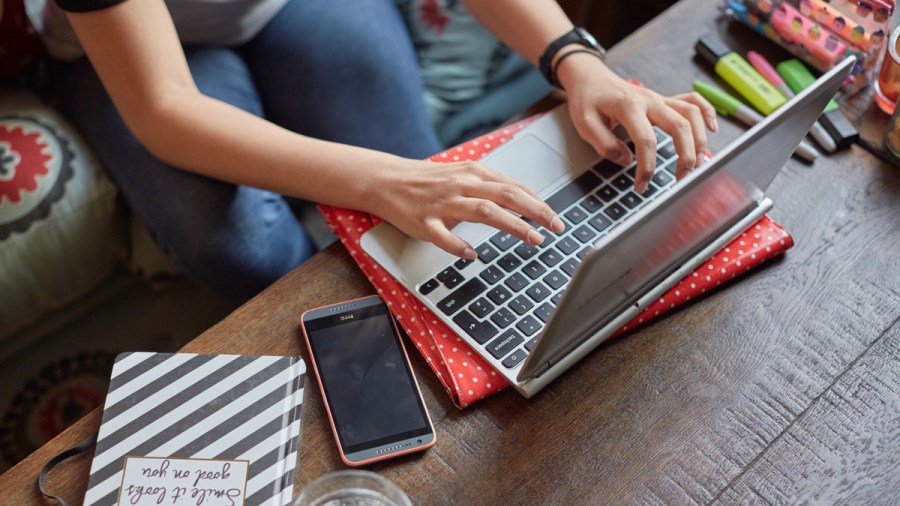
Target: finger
x=487 y=212
x=592 y=129
x=692 y=113
x=438 y=233
x=518 y=200
x=708 y=111
x=682 y=135
x=637 y=124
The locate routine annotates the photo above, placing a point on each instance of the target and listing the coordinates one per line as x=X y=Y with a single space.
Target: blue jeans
x=343 y=71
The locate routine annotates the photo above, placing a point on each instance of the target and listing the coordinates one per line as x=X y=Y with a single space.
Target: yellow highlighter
x=737 y=72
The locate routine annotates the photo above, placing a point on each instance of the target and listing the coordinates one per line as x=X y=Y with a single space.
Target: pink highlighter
x=768 y=72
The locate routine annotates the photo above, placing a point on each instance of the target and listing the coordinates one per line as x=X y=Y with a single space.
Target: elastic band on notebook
x=71 y=452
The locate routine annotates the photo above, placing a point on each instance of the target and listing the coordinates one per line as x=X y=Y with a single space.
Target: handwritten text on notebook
x=200 y=482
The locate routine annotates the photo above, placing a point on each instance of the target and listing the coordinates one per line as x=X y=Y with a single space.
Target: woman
x=205 y=122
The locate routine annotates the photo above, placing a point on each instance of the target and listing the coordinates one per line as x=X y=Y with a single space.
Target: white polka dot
x=474 y=380
x=708 y=278
x=460 y=375
x=471 y=392
x=489 y=385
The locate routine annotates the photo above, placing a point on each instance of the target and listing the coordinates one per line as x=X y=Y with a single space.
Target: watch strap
x=576 y=35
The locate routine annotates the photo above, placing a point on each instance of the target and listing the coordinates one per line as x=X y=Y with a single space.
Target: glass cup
x=887 y=87
x=351 y=488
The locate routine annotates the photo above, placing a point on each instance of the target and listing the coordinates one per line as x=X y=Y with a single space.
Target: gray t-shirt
x=211 y=22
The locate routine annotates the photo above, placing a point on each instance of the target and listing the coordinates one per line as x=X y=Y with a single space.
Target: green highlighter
x=798 y=78
x=726 y=105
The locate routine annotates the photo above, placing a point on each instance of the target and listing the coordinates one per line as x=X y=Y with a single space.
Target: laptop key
x=569 y=266
x=499 y=295
x=614 y=211
x=509 y=262
x=650 y=191
x=520 y=305
x=528 y=325
x=607 y=169
x=583 y=253
x=573 y=192
x=486 y=253
x=428 y=286
x=514 y=359
x=462 y=263
x=671 y=167
x=558 y=298
x=503 y=240
x=504 y=344
x=503 y=318
x=631 y=200
x=450 y=277
x=526 y=250
x=584 y=234
x=600 y=222
x=462 y=296
x=481 y=307
x=479 y=331
x=576 y=215
x=591 y=204
x=538 y=292
x=555 y=279
x=491 y=274
x=622 y=183
x=567 y=245
x=517 y=282
x=530 y=344
x=534 y=269
x=551 y=257
x=544 y=311
x=666 y=151
x=662 y=178
x=607 y=193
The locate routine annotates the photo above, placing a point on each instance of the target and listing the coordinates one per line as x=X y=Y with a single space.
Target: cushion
x=61 y=229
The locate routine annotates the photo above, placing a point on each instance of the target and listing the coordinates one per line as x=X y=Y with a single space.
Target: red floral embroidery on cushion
x=22 y=161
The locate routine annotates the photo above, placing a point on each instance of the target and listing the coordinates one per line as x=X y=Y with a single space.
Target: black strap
x=71 y=452
x=570 y=53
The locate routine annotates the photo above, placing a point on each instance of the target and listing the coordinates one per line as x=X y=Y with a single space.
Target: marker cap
x=712 y=49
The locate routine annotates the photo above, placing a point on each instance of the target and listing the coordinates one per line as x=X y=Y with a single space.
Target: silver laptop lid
x=656 y=241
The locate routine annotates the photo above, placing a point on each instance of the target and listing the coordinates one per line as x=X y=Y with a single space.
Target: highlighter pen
x=767 y=71
x=726 y=105
x=740 y=75
x=838 y=126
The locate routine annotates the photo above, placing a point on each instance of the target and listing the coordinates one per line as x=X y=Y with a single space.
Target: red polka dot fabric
x=463 y=373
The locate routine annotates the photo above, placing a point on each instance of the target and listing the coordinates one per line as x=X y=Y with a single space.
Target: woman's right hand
x=425 y=200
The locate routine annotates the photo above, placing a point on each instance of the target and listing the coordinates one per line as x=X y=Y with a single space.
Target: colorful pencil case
x=465 y=376
x=822 y=32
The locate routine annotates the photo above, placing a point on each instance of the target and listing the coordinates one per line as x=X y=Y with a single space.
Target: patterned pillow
x=61 y=227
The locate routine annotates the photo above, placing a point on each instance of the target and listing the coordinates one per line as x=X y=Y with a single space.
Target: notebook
x=532 y=312
x=181 y=428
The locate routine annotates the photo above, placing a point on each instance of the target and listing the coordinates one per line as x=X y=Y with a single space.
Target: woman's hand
x=425 y=200
x=599 y=100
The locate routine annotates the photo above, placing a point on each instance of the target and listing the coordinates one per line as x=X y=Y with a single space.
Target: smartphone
x=371 y=396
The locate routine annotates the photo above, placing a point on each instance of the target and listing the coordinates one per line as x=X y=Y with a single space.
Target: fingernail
x=712 y=123
x=469 y=253
x=534 y=237
x=641 y=186
x=700 y=159
x=557 y=224
x=623 y=159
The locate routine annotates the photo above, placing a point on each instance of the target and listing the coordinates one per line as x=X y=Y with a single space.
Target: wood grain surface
x=783 y=387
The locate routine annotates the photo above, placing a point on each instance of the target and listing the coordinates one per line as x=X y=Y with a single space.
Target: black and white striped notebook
x=181 y=428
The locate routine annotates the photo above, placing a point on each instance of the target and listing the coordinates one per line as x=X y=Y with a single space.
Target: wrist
x=579 y=67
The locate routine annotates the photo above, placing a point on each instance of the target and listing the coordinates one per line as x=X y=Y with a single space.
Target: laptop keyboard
x=503 y=299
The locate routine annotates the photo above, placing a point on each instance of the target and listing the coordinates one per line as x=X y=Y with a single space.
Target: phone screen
x=370 y=390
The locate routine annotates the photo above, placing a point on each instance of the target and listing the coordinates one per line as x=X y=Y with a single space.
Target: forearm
x=203 y=135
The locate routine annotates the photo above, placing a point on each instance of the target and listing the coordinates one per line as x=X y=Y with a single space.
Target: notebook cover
x=466 y=376
x=182 y=428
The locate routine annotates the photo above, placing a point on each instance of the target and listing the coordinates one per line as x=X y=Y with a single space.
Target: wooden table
x=783 y=387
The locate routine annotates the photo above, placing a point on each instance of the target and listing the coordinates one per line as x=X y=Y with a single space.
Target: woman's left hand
x=598 y=100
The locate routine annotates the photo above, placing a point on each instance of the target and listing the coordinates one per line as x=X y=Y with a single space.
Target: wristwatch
x=577 y=35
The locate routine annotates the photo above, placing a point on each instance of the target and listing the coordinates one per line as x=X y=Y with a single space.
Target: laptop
x=534 y=311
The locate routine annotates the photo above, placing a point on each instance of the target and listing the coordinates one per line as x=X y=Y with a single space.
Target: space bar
x=573 y=191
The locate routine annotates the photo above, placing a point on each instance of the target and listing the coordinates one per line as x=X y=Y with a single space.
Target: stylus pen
x=762 y=66
x=726 y=105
